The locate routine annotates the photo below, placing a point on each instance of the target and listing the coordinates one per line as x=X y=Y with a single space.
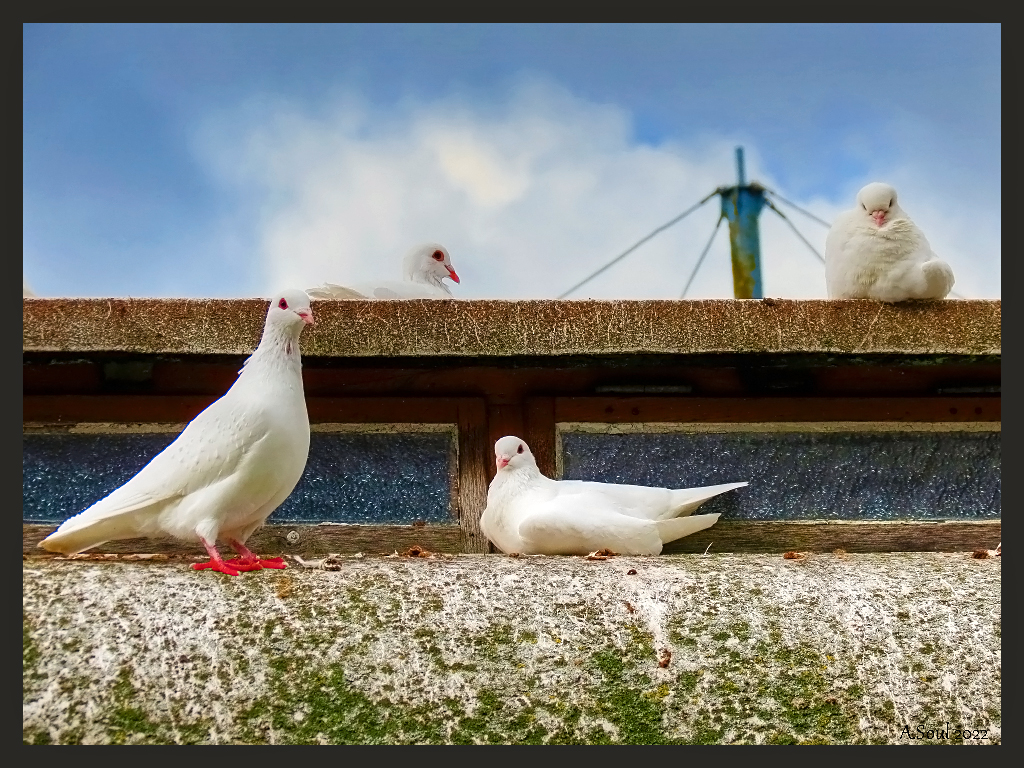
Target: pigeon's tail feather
x=71 y=542
x=677 y=527
x=332 y=291
x=99 y=524
x=685 y=500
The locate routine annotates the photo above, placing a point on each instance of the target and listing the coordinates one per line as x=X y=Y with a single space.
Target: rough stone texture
x=510 y=328
x=727 y=648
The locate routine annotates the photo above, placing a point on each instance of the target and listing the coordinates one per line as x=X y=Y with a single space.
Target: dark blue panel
x=350 y=477
x=62 y=474
x=806 y=475
x=363 y=477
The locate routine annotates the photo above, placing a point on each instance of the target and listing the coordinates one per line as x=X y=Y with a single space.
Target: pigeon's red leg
x=247 y=561
x=216 y=563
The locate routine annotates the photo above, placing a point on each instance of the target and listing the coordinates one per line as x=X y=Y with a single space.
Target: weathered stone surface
x=753 y=648
x=511 y=328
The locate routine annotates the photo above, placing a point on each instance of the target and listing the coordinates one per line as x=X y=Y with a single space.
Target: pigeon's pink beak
x=501 y=461
x=306 y=315
x=879 y=217
x=452 y=275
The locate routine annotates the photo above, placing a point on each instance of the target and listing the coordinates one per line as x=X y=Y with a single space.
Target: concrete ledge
x=717 y=648
x=482 y=328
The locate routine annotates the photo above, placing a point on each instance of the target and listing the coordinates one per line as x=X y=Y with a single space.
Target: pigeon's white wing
x=636 y=501
x=839 y=235
x=582 y=523
x=389 y=290
x=406 y=289
x=647 y=503
x=209 y=449
x=837 y=242
x=332 y=291
x=383 y=293
x=938 y=277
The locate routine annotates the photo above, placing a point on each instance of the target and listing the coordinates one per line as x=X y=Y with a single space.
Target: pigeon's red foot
x=248 y=561
x=215 y=565
x=256 y=563
x=244 y=565
x=216 y=562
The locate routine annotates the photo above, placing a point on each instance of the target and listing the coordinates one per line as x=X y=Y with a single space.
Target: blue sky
x=230 y=160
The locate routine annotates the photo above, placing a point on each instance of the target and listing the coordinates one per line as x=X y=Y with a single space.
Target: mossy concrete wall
x=490 y=649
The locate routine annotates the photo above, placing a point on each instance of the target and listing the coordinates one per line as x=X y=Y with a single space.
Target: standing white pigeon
x=423 y=270
x=875 y=251
x=228 y=470
x=531 y=514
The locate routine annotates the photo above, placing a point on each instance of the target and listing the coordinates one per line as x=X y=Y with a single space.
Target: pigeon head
x=429 y=263
x=513 y=453
x=290 y=310
x=878 y=200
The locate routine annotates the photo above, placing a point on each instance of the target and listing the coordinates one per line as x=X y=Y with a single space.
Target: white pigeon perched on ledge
x=875 y=251
x=228 y=470
x=424 y=270
x=530 y=514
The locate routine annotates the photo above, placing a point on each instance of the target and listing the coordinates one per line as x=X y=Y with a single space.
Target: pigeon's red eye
x=520 y=449
x=282 y=304
x=437 y=256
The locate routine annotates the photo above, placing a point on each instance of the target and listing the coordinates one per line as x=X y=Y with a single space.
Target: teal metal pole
x=741 y=206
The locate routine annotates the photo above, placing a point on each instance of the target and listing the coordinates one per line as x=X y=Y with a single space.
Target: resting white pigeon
x=875 y=251
x=424 y=269
x=530 y=514
x=228 y=470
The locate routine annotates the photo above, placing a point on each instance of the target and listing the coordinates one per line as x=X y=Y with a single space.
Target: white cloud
x=530 y=197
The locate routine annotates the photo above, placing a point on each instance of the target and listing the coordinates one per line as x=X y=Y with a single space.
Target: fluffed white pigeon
x=530 y=514
x=875 y=251
x=423 y=270
x=228 y=470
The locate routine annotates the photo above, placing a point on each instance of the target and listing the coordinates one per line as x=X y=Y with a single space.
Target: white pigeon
x=875 y=251
x=423 y=270
x=26 y=292
x=228 y=470
x=530 y=514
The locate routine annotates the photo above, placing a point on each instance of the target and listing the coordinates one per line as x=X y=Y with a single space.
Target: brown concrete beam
x=486 y=328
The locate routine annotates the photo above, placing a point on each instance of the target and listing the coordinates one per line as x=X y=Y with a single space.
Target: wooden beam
x=540 y=432
x=70 y=409
x=851 y=536
x=502 y=419
x=277 y=539
x=715 y=376
x=183 y=408
x=383 y=410
x=727 y=536
x=768 y=409
x=473 y=459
